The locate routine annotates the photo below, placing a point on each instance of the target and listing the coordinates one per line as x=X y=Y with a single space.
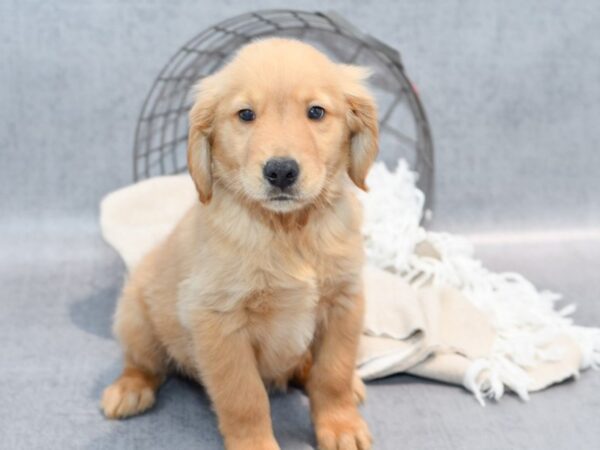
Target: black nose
x=281 y=172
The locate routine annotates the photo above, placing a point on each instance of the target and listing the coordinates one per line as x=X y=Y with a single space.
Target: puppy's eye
x=247 y=115
x=316 y=113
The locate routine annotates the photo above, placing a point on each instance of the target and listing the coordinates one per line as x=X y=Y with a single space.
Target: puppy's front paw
x=126 y=397
x=343 y=430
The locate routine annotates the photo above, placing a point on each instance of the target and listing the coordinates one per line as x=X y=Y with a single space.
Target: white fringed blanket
x=432 y=309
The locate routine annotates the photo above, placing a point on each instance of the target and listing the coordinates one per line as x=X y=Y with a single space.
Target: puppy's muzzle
x=281 y=172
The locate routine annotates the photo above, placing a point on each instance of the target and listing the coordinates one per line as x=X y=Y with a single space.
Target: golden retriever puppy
x=260 y=282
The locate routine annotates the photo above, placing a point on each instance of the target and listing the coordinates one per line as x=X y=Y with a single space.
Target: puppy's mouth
x=282 y=198
x=283 y=202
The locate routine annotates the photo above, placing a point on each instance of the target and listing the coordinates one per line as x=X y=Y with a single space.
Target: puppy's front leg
x=330 y=382
x=229 y=372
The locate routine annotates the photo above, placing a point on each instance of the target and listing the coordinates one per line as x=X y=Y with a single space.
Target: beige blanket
x=434 y=332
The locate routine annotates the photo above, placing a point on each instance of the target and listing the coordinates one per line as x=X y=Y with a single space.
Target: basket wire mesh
x=162 y=128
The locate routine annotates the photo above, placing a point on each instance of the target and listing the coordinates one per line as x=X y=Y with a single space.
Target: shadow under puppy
x=260 y=282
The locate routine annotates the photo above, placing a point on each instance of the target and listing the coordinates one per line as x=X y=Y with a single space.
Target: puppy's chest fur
x=280 y=291
x=282 y=317
x=281 y=326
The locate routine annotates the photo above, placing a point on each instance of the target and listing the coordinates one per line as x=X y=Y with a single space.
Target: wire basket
x=162 y=128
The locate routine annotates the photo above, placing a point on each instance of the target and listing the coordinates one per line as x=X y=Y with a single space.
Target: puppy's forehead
x=281 y=65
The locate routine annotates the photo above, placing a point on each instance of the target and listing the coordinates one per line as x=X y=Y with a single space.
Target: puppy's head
x=280 y=126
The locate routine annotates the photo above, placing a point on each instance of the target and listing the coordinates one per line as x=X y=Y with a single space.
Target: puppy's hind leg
x=134 y=391
x=358 y=389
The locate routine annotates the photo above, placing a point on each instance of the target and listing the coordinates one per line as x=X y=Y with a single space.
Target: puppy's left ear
x=362 y=123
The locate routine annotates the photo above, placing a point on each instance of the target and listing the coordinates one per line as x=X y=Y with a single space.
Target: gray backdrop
x=512 y=90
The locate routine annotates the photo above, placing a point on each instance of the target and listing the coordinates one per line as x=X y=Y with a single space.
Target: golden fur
x=247 y=291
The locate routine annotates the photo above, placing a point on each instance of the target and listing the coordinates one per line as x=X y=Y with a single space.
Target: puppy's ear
x=199 y=155
x=362 y=123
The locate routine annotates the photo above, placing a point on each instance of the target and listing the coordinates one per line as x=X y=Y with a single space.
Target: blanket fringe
x=588 y=340
x=487 y=378
x=525 y=319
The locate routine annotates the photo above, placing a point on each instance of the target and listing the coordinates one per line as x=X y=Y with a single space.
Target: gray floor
x=59 y=292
